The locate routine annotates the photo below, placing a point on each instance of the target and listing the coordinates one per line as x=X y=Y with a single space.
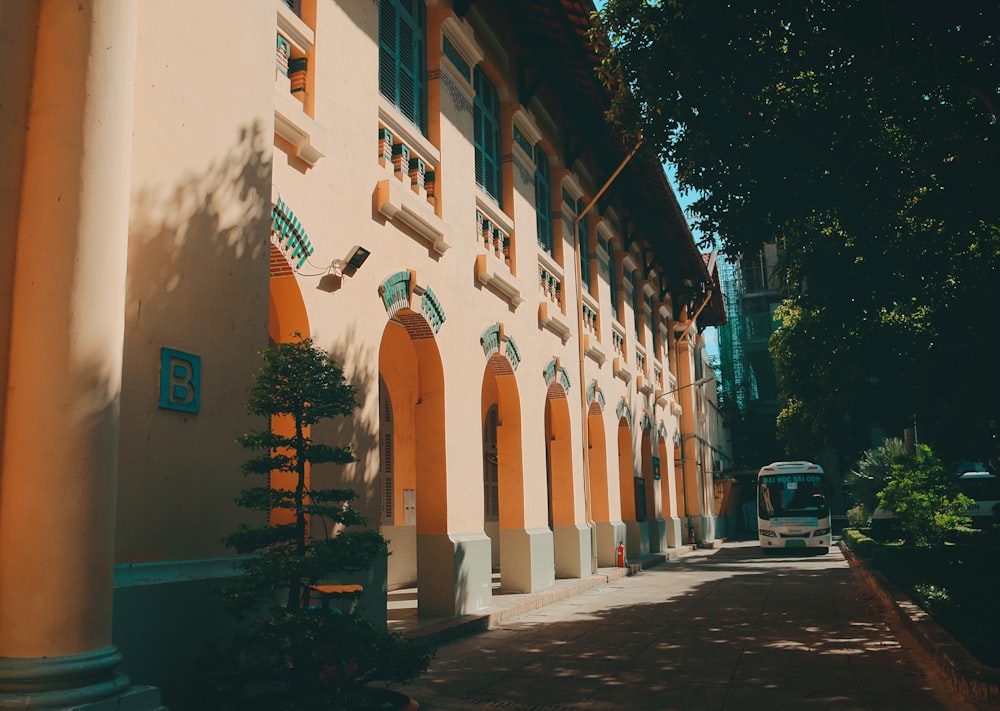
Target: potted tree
x=296 y=653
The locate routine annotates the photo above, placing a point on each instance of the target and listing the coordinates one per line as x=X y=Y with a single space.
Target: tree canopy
x=862 y=137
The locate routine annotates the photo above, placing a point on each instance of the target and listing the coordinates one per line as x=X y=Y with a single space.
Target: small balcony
x=552 y=308
x=494 y=266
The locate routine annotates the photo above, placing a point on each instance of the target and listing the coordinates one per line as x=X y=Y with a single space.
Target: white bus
x=791 y=507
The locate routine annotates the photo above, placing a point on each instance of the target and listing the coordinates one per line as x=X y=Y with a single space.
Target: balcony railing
x=493 y=238
x=551 y=285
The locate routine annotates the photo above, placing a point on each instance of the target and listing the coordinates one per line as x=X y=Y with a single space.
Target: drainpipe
x=580 y=352
x=686 y=330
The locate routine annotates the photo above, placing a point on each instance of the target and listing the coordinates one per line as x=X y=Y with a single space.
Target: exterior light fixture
x=349 y=264
x=356 y=257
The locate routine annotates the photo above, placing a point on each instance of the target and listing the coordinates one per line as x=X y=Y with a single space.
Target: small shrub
x=924 y=497
x=933 y=598
x=860 y=544
x=873 y=472
x=858 y=516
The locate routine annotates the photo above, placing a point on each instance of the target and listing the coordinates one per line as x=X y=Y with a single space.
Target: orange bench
x=337 y=593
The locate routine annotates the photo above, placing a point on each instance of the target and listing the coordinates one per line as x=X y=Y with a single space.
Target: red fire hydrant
x=621 y=555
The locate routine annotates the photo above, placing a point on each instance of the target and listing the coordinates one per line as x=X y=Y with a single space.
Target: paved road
x=728 y=629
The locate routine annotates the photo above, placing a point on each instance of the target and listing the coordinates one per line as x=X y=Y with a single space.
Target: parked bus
x=791 y=507
x=984 y=490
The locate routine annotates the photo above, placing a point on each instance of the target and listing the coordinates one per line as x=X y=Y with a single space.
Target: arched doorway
x=651 y=492
x=632 y=489
x=514 y=550
x=411 y=417
x=491 y=486
x=287 y=322
x=609 y=531
x=671 y=536
x=680 y=490
x=571 y=557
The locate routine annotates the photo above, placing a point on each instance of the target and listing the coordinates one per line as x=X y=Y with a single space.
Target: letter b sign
x=180 y=380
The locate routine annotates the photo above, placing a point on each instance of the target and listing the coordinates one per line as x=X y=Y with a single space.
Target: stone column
x=689 y=451
x=59 y=458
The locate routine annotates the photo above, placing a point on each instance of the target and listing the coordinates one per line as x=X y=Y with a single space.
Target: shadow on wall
x=359 y=362
x=361 y=432
x=198 y=268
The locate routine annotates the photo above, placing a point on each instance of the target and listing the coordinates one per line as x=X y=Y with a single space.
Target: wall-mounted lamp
x=351 y=263
x=356 y=257
x=340 y=268
x=700 y=381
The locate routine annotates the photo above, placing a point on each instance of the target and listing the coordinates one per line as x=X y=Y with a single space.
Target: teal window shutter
x=402 y=61
x=584 y=239
x=543 y=200
x=613 y=281
x=635 y=304
x=486 y=135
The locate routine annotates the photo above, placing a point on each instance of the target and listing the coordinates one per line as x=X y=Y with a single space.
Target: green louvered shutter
x=613 y=282
x=543 y=200
x=402 y=69
x=584 y=239
x=635 y=304
x=486 y=135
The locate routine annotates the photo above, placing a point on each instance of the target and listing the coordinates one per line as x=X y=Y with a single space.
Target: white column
x=59 y=459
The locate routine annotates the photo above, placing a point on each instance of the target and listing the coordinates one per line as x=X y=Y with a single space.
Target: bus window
x=792 y=495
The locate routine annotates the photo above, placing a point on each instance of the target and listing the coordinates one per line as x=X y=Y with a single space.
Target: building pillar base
x=572 y=551
x=78 y=681
x=676 y=532
x=658 y=535
x=454 y=573
x=609 y=535
x=704 y=528
x=526 y=560
x=637 y=539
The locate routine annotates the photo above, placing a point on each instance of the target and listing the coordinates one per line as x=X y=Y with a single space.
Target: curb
x=967 y=675
x=477 y=622
x=450 y=629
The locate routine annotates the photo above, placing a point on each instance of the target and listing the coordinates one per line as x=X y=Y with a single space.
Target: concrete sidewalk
x=403 y=606
x=726 y=629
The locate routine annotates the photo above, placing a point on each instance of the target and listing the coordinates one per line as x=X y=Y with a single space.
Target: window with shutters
x=640 y=498
x=543 y=200
x=613 y=282
x=402 y=60
x=486 y=134
x=386 y=451
x=631 y=300
x=491 y=485
x=584 y=239
x=647 y=313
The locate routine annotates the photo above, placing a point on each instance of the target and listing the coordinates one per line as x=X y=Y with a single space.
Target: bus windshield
x=791 y=495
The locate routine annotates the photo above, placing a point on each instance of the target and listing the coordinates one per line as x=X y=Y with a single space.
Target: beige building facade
x=430 y=192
